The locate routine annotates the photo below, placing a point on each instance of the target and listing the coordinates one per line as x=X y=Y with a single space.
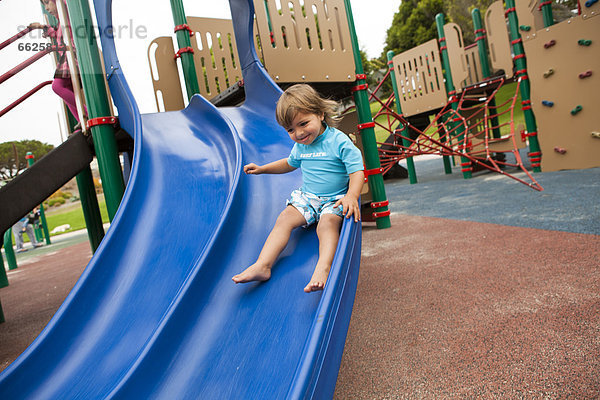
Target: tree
x=459 y=12
x=564 y=9
x=413 y=24
x=12 y=156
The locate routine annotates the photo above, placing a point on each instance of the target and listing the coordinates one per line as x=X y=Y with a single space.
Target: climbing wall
x=564 y=69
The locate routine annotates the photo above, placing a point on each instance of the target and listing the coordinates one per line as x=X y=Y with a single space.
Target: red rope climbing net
x=471 y=126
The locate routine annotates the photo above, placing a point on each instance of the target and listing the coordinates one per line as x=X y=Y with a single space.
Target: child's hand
x=37 y=25
x=349 y=207
x=253 y=169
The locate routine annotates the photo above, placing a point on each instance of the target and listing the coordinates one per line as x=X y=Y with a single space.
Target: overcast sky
x=40 y=117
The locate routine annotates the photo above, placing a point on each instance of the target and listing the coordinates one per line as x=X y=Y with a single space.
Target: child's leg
x=16 y=230
x=64 y=89
x=289 y=219
x=31 y=234
x=328 y=231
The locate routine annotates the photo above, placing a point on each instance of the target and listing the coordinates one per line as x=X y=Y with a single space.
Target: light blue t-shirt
x=326 y=163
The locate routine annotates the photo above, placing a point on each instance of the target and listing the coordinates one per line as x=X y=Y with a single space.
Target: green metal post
x=9 y=252
x=410 y=163
x=89 y=200
x=481 y=39
x=367 y=132
x=98 y=105
x=535 y=153
x=445 y=159
x=3 y=283
x=547 y=13
x=450 y=89
x=183 y=41
x=482 y=46
x=90 y=207
x=87 y=196
x=3 y=275
x=271 y=33
x=39 y=235
x=30 y=160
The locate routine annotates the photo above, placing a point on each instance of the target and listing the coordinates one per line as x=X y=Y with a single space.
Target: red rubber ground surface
x=450 y=309
x=444 y=309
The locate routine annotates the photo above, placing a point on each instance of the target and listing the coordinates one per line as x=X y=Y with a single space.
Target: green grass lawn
x=503 y=95
x=73 y=217
x=69 y=215
x=380 y=133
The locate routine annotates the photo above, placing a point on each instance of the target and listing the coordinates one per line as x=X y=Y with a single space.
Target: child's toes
x=314 y=286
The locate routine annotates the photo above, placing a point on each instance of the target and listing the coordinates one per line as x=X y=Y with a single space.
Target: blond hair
x=304 y=99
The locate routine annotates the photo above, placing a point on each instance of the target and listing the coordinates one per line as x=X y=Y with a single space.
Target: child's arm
x=47 y=30
x=349 y=202
x=276 y=167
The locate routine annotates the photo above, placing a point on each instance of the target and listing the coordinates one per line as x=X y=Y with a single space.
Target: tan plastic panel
x=557 y=127
x=529 y=14
x=215 y=54
x=165 y=77
x=303 y=51
x=498 y=39
x=420 y=79
x=475 y=75
x=456 y=55
x=589 y=12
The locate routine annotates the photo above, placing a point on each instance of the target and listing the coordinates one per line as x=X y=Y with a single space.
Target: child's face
x=50 y=6
x=305 y=128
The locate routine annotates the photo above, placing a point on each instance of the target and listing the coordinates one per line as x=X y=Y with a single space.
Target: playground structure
x=200 y=120
x=307 y=42
x=448 y=80
x=563 y=69
x=175 y=304
x=430 y=80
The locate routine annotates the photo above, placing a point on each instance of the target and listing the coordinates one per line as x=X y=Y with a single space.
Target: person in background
x=61 y=84
x=25 y=225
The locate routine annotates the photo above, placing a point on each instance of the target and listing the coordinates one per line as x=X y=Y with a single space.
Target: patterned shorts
x=312 y=206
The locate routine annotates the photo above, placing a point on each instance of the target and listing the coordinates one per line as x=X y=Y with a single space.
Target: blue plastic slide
x=155 y=314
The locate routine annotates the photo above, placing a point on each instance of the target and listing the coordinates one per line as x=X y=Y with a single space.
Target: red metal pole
x=16 y=37
x=24 y=97
x=4 y=77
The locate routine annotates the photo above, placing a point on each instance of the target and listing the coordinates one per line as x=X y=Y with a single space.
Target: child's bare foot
x=318 y=279
x=255 y=272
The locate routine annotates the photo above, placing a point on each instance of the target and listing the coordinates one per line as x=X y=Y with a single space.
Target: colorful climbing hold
x=560 y=150
x=547 y=103
x=584 y=42
x=525 y=28
x=585 y=74
x=589 y=3
x=548 y=73
x=596 y=134
x=576 y=109
x=549 y=44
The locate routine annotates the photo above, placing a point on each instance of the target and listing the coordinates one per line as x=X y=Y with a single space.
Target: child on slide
x=332 y=177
